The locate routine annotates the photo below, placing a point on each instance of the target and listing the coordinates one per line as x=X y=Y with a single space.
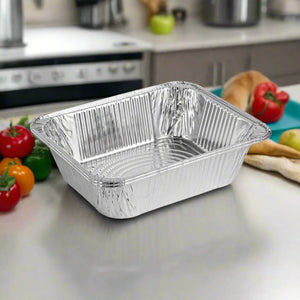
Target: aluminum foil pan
x=136 y=152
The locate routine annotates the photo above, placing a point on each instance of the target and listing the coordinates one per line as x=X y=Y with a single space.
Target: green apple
x=291 y=138
x=162 y=24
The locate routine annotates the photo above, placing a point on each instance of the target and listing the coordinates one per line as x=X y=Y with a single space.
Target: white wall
x=53 y=12
x=64 y=12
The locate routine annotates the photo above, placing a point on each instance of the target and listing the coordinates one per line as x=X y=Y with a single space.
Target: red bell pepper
x=16 y=141
x=268 y=104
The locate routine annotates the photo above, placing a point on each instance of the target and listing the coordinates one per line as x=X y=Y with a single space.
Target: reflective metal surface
x=93 y=15
x=11 y=23
x=143 y=150
x=116 y=13
x=231 y=12
x=100 y=13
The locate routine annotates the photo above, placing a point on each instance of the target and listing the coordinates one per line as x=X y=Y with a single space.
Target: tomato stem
x=13 y=131
x=6 y=181
x=11 y=163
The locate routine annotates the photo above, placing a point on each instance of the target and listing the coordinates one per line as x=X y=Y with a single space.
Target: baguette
x=239 y=89
x=268 y=147
x=289 y=168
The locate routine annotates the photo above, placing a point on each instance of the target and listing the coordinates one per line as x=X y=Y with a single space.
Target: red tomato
x=10 y=192
x=16 y=141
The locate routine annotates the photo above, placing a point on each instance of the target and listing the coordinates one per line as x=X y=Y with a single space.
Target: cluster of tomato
x=25 y=161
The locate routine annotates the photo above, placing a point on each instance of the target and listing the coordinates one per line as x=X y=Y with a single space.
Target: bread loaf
x=239 y=89
x=289 y=168
x=268 y=147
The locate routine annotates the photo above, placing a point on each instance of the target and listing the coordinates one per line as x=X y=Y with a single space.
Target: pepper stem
x=270 y=96
x=263 y=111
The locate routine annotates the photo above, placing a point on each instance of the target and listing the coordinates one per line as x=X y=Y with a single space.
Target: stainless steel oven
x=44 y=80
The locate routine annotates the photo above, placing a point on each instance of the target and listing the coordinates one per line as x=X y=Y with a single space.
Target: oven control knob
x=3 y=78
x=99 y=71
x=129 y=67
x=83 y=73
x=57 y=75
x=113 y=69
x=16 y=78
x=35 y=77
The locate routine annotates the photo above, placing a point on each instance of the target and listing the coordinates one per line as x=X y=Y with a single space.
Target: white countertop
x=240 y=242
x=71 y=41
x=293 y=91
x=193 y=34
x=237 y=242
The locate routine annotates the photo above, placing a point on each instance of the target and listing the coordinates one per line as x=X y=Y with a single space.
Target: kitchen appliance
x=283 y=8
x=71 y=64
x=116 y=13
x=136 y=152
x=100 y=13
x=231 y=12
x=11 y=23
x=92 y=13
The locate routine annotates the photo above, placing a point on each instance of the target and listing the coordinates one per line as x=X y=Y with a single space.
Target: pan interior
x=143 y=159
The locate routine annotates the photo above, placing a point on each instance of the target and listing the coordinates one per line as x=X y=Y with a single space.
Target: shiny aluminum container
x=136 y=152
x=232 y=13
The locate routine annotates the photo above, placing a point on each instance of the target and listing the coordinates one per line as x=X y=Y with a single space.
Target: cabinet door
x=192 y=66
x=207 y=67
x=279 y=61
x=231 y=61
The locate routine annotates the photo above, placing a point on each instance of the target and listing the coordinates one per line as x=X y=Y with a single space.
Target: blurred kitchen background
x=65 y=12
x=89 y=49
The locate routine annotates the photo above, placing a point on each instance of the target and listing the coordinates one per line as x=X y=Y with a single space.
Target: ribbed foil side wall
x=218 y=127
x=126 y=201
x=75 y=179
x=170 y=186
x=129 y=155
x=113 y=127
x=169 y=112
